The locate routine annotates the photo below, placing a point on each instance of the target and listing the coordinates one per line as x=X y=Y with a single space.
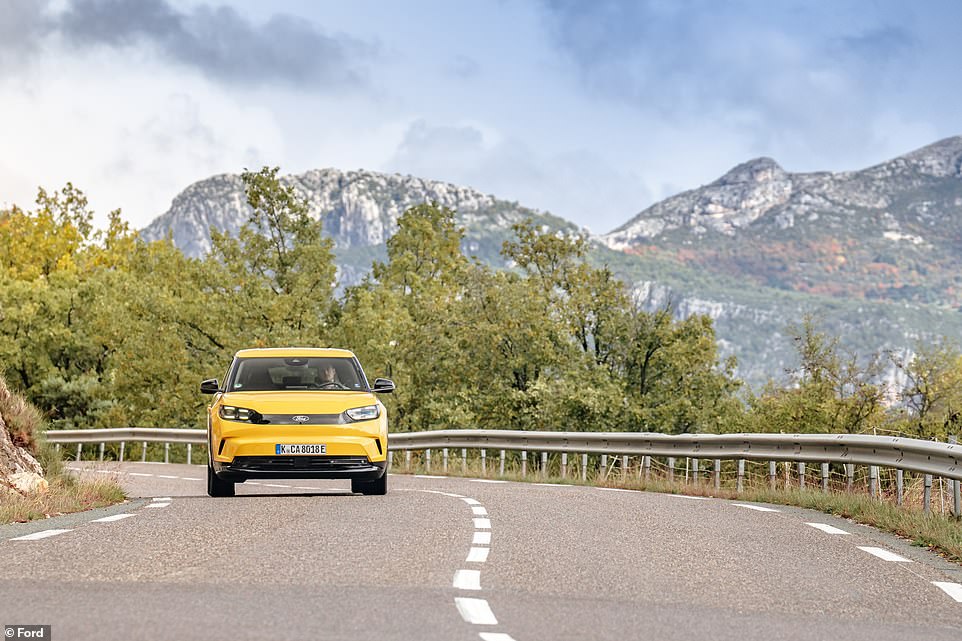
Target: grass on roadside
x=940 y=533
x=65 y=495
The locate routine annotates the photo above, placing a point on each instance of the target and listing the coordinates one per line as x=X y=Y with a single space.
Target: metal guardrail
x=925 y=457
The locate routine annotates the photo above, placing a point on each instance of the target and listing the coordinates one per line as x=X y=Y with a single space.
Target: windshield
x=267 y=374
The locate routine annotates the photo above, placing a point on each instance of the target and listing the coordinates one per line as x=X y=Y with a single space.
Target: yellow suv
x=296 y=413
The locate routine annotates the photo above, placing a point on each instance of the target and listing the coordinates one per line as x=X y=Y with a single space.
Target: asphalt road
x=459 y=559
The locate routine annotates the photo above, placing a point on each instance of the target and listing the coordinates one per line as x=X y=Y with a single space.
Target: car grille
x=291 y=463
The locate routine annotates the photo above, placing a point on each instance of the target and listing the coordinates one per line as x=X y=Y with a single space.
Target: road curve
x=442 y=558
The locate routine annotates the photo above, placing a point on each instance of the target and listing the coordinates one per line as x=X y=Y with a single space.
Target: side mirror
x=383 y=386
x=209 y=386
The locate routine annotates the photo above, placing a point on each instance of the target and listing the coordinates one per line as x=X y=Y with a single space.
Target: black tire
x=377 y=487
x=218 y=487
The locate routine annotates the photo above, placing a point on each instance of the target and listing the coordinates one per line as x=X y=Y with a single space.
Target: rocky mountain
x=876 y=254
x=359 y=211
x=890 y=232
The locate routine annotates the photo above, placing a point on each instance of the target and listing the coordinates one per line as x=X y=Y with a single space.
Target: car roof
x=308 y=352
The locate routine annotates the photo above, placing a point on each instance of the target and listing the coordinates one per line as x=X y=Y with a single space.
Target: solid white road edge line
x=467 y=579
x=481 y=538
x=191 y=478
x=164 y=476
x=155 y=505
x=40 y=535
x=884 y=554
x=613 y=489
x=757 y=508
x=689 y=496
x=495 y=636
x=826 y=528
x=479 y=510
x=486 y=481
x=112 y=518
x=482 y=524
x=477 y=555
x=954 y=590
x=475 y=611
x=138 y=474
x=161 y=498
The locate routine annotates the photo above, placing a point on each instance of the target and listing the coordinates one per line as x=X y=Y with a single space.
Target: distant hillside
x=892 y=232
x=359 y=210
x=876 y=254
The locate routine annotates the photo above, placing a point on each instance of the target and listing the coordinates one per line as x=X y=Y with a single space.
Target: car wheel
x=217 y=486
x=377 y=487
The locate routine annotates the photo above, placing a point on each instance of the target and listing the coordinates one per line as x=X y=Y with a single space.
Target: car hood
x=300 y=402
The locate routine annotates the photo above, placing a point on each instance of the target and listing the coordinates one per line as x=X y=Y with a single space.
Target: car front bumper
x=242 y=468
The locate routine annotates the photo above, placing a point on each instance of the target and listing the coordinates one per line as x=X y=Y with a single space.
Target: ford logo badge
x=300 y=418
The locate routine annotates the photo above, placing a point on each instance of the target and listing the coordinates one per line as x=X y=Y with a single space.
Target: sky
x=590 y=110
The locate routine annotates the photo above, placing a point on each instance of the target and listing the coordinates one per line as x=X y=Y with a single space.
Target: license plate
x=300 y=449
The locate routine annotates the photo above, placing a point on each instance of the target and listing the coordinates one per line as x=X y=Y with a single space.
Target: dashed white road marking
x=548 y=485
x=479 y=510
x=165 y=476
x=482 y=524
x=428 y=476
x=614 y=489
x=828 y=529
x=470 y=501
x=481 y=538
x=954 y=590
x=884 y=554
x=161 y=498
x=475 y=611
x=191 y=478
x=254 y=483
x=274 y=485
x=486 y=481
x=477 y=555
x=157 y=505
x=757 y=508
x=112 y=518
x=112 y=472
x=138 y=474
x=467 y=580
x=39 y=535
x=689 y=496
x=495 y=636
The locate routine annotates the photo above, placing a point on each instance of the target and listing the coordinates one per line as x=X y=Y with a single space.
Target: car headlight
x=365 y=413
x=231 y=413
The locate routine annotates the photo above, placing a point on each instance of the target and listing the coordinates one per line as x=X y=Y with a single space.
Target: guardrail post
x=740 y=483
x=564 y=465
x=624 y=467
x=717 y=473
x=524 y=463
x=873 y=481
x=956 y=495
x=927 y=494
x=584 y=467
x=694 y=472
x=390 y=458
x=190 y=458
x=825 y=477
x=604 y=466
x=407 y=460
x=143 y=453
x=464 y=460
x=79 y=448
x=100 y=454
x=122 y=445
x=772 y=474
x=899 y=487
x=671 y=469
x=544 y=465
x=484 y=462
x=849 y=476
x=57 y=447
x=646 y=463
x=427 y=460
x=801 y=476
x=501 y=468
x=444 y=460
x=166 y=452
